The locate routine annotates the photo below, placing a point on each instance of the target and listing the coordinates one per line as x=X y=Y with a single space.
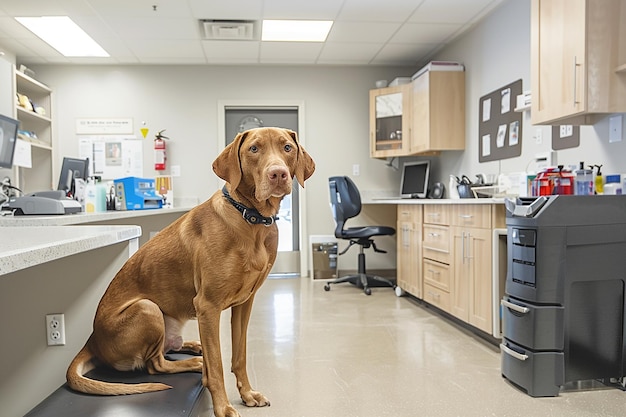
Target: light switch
x=356 y=170
x=615 y=128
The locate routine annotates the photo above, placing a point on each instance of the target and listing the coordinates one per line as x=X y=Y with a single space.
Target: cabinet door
x=480 y=273
x=409 y=249
x=471 y=292
x=558 y=58
x=390 y=114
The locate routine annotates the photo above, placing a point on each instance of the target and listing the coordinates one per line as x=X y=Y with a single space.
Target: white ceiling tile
x=448 y=11
x=424 y=33
x=164 y=49
x=349 y=53
x=312 y=10
x=153 y=28
x=377 y=10
x=402 y=54
x=362 y=31
x=231 y=51
x=290 y=52
x=228 y=10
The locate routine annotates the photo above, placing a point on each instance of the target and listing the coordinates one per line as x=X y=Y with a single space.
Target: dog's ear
x=305 y=166
x=227 y=165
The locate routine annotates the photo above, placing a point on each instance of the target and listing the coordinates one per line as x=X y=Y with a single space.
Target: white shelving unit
x=38 y=121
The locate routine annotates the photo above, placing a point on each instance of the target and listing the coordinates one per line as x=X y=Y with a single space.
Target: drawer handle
x=511 y=352
x=434 y=214
x=434 y=295
x=465 y=216
x=432 y=271
x=514 y=307
x=431 y=234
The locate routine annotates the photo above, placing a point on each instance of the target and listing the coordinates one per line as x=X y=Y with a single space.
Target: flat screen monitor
x=415 y=179
x=8 y=139
x=72 y=168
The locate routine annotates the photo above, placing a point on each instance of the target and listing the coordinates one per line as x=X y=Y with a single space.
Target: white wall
x=497 y=52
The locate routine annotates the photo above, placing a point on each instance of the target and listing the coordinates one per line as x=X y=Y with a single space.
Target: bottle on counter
x=613 y=185
x=599 y=180
x=584 y=181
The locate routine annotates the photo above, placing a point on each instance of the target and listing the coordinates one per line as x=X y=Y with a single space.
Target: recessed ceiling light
x=296 y=30
x=64 y=35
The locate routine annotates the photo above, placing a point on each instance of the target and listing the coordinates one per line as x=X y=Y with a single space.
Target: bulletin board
x=499 y=125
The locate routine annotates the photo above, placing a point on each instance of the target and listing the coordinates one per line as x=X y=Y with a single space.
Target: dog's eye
x=254 y=149
x=288 y=148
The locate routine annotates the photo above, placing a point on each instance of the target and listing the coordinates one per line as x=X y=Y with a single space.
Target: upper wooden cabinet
x=390 y=124
x=578 y=60
x=427 y=115
x=438 y=108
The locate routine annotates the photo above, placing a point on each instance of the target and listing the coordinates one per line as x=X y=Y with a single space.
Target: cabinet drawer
x=437 y=297
x=436 y=238
x=437 y=274
x=437 y=214
x=472 y=215
x=409 y=213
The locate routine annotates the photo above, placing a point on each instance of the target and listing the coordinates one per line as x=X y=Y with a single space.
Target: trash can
x=324 y=260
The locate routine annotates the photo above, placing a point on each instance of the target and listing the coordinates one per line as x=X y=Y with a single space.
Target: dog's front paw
x=228 y=411
x=254 y=399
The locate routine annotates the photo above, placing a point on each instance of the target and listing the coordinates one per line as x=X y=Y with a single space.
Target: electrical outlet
x=356 y=170
x=55 y=329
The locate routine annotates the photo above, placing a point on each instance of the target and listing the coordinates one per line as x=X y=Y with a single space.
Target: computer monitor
x=8 y=140
x=415 y=179
x=72 y=168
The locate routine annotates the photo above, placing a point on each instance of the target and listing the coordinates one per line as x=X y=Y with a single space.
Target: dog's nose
x=277 y=174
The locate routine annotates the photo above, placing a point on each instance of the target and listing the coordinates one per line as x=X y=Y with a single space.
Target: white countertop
x=81 y=218
x=396 y=201
x=23 y=247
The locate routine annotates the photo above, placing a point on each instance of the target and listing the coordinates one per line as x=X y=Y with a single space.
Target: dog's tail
x=83 y=363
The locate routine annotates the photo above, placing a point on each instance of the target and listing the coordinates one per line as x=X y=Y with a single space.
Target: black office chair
x=345 y=202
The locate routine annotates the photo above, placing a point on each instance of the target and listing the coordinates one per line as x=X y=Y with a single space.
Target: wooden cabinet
x=409 y=248
x=438 y=112
x=425 y=116
x=578 y=60
x=33 y=108
x=390 y=124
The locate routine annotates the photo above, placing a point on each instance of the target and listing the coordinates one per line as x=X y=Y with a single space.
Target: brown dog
x=213 y=258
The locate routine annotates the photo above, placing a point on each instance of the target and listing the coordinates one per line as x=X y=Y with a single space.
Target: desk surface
x=82 y=218
x=23 y=247
x=396 y=201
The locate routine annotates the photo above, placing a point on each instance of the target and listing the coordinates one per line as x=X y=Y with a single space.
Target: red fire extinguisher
x=159 y=151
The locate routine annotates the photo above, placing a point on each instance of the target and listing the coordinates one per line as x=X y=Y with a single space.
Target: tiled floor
x=341 y=353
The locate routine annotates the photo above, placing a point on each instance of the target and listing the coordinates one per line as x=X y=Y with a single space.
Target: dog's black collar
x=251 y=215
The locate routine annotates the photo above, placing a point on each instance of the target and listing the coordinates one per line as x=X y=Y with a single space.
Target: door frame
x=222 y=105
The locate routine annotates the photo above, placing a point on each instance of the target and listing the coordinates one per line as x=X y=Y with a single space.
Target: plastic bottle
x=101 y=197
x=584 y=181
x=613 y=185
x=599 y=181
x=90 y=196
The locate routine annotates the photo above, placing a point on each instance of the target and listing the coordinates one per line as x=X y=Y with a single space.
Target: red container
x=553 y=180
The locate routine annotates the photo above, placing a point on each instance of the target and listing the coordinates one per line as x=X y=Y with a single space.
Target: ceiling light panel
x=296 y=30
x=64 y=35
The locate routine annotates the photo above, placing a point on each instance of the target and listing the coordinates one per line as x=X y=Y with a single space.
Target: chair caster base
x=326 y=287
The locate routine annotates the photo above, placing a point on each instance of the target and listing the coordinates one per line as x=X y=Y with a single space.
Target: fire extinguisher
x=159 y=151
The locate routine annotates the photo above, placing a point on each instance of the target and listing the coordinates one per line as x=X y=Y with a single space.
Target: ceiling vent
x=229 y=30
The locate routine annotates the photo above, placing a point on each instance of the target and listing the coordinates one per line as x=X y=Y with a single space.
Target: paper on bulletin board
x=113 y=156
